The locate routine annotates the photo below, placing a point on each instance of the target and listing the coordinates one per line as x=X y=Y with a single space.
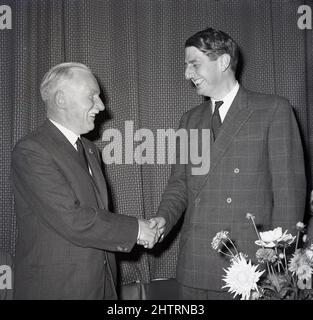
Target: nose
x=188 y=73
x=99 y=104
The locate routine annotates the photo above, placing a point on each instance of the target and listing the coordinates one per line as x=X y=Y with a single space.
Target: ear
x=224 y=61
x=59 y=99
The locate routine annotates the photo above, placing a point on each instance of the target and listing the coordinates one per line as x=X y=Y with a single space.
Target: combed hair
x=214 y=43
x=57 y=73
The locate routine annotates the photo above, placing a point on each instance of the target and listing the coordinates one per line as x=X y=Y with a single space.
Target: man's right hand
x=160 y=223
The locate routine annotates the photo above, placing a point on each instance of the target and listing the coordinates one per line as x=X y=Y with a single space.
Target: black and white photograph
x=157 y=150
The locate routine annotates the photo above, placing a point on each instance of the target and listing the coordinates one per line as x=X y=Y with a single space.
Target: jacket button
x=236 y=170
x=77 y=203
x=228 y=200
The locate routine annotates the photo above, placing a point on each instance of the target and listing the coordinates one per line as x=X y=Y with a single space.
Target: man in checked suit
x=256 y=166
x=66 y=235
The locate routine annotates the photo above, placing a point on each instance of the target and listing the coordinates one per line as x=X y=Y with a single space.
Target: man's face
x=82 y=101
x=203 y=72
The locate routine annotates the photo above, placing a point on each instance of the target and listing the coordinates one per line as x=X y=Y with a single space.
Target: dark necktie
x=216 y=121
x=82 y=154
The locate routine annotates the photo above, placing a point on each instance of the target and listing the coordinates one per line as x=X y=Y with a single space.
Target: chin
x=204 y=93
x=200 y=92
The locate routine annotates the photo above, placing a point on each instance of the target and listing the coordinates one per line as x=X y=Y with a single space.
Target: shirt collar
x=69 y=135
x=228 y=99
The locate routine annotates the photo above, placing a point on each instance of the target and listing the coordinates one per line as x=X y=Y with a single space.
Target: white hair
x=57 y=73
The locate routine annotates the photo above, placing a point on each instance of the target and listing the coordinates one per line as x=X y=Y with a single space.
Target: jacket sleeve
x=286 y=165
x=40 y=183
x=174 y=198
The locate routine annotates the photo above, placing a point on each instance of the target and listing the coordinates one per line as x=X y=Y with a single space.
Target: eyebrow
x=192 y=61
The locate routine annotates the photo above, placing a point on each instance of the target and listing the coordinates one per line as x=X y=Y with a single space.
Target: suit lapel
x=64 y=147
x=237 y=115
x=203 y=121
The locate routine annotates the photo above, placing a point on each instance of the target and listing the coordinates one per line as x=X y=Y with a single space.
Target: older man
x=256 y=166
x=66 y=235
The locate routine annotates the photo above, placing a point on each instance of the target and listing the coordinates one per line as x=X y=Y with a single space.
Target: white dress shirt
x=69 y=135
x=227 y=101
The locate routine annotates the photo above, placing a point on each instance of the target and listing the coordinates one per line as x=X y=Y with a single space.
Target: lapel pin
x=90 y=150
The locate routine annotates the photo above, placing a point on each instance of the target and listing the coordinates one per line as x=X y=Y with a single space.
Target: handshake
x=151 y=231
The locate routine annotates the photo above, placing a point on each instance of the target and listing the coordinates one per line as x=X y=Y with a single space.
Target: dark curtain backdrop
x=136 y=50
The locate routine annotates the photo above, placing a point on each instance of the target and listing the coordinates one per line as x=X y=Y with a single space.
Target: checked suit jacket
x=66 y=235
x=256 y=166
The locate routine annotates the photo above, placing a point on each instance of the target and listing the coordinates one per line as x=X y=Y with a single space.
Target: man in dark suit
x=66 y=235
x=256 y=166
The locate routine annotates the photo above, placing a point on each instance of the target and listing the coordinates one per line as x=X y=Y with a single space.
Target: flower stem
x=237 y=253
x=273 y=271
x=268 y=268
x=279 y=262
x=256 y=231
x=284 y=269
x=226 y=254
x=297 y=242
x=225 y=245
x=286 y=264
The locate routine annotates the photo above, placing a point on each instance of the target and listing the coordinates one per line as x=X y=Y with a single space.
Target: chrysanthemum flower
x=242 y=277
x=296 y=261
x=304 y=272
x=218 y=239
x=272 y=238
x=266 y=255
x=309 y=253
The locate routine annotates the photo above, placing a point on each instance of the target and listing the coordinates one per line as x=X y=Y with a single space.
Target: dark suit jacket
x=65 y=231
x=256 y=167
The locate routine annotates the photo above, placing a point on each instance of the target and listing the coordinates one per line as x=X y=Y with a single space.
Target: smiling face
x=81 y=101
x=206 y=74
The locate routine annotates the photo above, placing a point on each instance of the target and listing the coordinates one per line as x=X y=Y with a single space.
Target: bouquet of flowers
x=276 y=276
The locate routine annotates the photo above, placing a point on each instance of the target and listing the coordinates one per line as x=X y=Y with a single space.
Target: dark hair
x=214 y=43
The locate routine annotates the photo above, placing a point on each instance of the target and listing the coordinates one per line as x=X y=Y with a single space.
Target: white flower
x=300 y=226
x=242 y=277
x=255 y=295
x=304 y=272
x=309 y=253
x=271 y=238
x=296 y=261
x=281 y=256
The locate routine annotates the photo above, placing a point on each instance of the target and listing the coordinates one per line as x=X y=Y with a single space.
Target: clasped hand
x=151 y=231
